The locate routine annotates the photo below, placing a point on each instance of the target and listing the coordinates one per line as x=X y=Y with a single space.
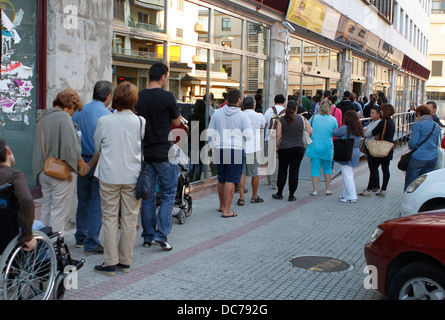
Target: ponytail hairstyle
x=290 y=111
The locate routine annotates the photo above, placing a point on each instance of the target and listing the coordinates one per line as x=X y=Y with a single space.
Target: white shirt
x=267 y=116
x=118 y=140
x=257 y=123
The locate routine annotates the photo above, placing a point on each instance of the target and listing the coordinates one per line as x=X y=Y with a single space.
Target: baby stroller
x=39 y=274
x=183 y=199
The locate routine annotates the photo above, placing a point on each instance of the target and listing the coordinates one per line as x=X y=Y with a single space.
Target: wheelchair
x=39 y=274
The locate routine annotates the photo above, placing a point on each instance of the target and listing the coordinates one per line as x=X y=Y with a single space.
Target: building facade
x=210 y=46
x=435 y=86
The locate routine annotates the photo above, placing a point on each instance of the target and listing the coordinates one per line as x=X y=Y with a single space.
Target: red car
x=406 y=257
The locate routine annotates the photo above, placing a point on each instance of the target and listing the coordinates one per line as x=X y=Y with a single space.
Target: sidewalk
x=249 y=257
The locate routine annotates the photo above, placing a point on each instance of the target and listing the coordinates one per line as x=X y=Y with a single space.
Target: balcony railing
x=146 y=26
x=137 y=54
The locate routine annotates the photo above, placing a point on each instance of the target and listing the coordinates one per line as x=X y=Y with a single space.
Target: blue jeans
x=89 y=213
x=416 y=168
x=158 y=226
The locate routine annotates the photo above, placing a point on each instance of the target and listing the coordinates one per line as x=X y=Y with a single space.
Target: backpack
x=274 y=121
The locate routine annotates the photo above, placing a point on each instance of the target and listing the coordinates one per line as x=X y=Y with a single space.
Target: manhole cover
x=320 y=264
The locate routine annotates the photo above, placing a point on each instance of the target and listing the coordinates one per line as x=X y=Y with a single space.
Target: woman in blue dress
x=321 y=151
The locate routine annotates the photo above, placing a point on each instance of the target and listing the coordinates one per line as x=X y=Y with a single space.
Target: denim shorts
x=230 y=165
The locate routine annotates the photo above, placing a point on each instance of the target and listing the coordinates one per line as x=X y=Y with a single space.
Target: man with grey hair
x=253 y=151
x=89 y=213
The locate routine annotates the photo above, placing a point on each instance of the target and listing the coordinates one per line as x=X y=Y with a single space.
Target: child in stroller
x=183 y=200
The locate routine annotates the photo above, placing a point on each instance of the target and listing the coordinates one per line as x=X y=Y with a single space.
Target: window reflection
x=189 y=22
x=255 y=75
x=144 y=14
x=257 y=38
x=225 y=74
x=227 y=29
x=295 y=50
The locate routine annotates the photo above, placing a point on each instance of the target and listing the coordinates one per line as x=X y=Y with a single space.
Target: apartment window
x=179 y=32
x=438 y=6
x=385 y=7
x=226 y=24
x=142 y=17
x=119 y=9
x=437 y=69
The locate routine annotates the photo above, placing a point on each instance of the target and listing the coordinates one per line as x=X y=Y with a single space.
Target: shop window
x=295 y=50
x=310 y=52
x=227 y=28
x=257 y=38
x=256 y=69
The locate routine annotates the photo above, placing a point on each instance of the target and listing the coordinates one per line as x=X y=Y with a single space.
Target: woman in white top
x=374 y=179
x=118 y=140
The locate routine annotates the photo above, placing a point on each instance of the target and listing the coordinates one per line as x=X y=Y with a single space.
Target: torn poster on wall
x=15 y=79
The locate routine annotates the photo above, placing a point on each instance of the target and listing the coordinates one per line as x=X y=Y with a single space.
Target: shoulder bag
x=404 y=159
x=143 y=187
x=343 y=149
x=380 y=148
x=306 y=137
x=54 y=167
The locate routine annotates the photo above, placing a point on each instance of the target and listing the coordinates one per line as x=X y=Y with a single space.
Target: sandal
x=241 y=202
x=256 y=200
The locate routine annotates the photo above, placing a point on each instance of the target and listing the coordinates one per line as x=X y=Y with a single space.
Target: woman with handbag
x=352 y=129
x=291 y=140
x=374 y=179
x=321 y=150
x=385 y=131
x=424 y=158
x=56 y=156
x=118 y=140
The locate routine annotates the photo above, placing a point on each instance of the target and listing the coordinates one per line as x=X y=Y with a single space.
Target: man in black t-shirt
x=160 y=111
x=345 y=104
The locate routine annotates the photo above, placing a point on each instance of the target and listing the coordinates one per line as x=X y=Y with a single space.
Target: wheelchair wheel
x=28 y=275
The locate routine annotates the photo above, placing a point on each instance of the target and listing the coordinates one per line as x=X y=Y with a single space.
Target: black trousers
x=374 y=178
x=289 y=160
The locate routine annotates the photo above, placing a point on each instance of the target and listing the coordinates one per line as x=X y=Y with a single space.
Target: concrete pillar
x=278 y=78
x=393 y=87
x=370 y=74
x=80 y=34
x=346 y=72
x=407 y=92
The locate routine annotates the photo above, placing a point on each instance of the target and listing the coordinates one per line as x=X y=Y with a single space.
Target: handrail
x=403 y=126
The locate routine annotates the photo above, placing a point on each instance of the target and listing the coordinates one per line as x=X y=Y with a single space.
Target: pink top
x=337 y=114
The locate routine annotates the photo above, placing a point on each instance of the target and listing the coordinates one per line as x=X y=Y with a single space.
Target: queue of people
x=107 y=149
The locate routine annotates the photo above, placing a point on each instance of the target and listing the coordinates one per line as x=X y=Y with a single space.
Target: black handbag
x=143 y=187
x=404 y=159
x=343 y=149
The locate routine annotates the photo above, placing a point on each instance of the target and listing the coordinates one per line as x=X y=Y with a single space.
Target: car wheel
x=418 y=281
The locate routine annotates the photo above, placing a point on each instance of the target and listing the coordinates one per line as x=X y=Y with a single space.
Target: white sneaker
x=348 y=201
x=314 y=193
x=163 y=244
